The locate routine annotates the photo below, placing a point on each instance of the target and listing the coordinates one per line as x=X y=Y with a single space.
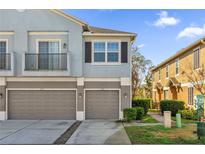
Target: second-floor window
x=106 y=52
x=196 y=58
x=159 y=74
x=177 y=66
x=3 y=57
x=48 y=47
x=167 y=71
x=3 y=47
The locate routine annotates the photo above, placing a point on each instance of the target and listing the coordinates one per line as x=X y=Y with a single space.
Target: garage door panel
x=102 y=104
x=41 y=104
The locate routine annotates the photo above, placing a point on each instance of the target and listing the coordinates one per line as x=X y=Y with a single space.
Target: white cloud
x=192 y=31
x=165 y=20
x=140 y=46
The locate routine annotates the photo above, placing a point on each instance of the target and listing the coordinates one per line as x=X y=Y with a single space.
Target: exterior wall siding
x=186 y=65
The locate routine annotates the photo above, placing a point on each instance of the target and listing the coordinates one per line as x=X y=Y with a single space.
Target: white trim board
x=60 y=89
x=6 y=33
x=48 y=33
x=94 y=89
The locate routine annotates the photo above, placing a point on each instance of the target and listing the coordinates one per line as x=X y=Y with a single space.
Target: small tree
x=197 y=78
x=139 y=67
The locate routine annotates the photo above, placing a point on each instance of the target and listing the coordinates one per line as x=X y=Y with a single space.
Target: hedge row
x=171 y=105
x=145 y=103
x=135 y=113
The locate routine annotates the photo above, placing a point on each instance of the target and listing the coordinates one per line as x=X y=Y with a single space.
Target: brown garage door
x=102 y=104
x=41 y=104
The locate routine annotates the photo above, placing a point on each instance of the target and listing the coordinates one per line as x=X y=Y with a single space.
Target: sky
x=160 y=33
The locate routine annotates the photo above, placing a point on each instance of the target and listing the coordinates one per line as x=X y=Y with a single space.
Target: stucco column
x=2 y=99
x=126 y=101
x=80 y=114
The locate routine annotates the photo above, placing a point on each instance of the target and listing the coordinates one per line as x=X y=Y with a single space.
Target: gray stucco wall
x=41 y=20
x=21 y=23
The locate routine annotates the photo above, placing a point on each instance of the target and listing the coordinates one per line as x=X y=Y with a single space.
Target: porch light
x=80 y=95
x=64 y=46
x=1 y=95
x=125 y=95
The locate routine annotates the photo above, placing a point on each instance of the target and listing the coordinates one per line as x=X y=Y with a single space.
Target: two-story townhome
x=169 y=77
x=55 y=66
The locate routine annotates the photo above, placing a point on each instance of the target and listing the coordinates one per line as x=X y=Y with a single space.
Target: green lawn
x=160 y=135
x=148 y=119
x=185 y=121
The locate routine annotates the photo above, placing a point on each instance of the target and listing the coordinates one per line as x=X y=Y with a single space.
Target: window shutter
x=124 y=52
x=88 y=52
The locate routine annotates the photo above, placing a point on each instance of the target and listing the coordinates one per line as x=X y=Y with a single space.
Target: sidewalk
x=157 y=116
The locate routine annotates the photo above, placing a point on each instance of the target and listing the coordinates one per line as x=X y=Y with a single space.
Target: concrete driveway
x=32 y=131
x=99 y=132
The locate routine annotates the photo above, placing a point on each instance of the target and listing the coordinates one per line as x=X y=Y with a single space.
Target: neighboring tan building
x=168 y=80
x=55 y=66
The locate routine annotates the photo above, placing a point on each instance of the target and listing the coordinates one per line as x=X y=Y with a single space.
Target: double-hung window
x=190 y=95
x=3 y=56
x=99 y=51
x=106 y=52
x=159 y=74
x=167 y=70
x=177 y=66
x=196 y=58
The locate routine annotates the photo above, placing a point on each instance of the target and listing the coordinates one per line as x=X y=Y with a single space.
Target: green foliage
x=158 y=134
x=129 y=114
x=171 y=105
x=188 y=114
x=139 y=113
x=145 y=103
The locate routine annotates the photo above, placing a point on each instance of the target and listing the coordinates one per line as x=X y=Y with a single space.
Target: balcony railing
x=5 y=61
x=45 y=61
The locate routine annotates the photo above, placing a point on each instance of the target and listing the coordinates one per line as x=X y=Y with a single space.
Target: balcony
x=46 y=64
x=6 y=64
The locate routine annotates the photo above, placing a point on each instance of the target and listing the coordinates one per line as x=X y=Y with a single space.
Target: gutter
x=183 y=50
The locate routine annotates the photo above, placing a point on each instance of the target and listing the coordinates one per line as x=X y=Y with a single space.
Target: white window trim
x=47 y=40
x=197 y=48
x=7 y=44
x=177 y=60
x=167 y=66
x=106 y=53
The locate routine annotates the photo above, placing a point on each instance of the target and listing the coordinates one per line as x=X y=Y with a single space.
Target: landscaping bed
x=160 y=135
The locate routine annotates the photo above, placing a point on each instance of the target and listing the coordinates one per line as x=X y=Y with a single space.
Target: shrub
x=139 y=113
x=171 y=105
x=188 y=114
x=129 y=114
x=145 y=103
